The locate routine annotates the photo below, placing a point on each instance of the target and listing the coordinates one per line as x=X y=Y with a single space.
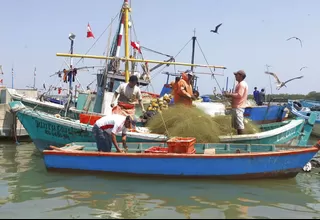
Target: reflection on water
x=27 y=190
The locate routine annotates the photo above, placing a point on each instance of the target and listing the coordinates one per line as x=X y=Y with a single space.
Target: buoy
x=307 y=167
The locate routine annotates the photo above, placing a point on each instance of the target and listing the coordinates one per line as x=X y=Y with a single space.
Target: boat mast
x=193 y=48
x=71 y=38
x=126 y=10
x=194 y=80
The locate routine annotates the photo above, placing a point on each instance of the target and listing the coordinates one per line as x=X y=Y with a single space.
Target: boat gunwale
x=265 y=134
x=298 y=150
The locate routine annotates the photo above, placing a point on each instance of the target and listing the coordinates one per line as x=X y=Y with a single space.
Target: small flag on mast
x=89 y=31
x=1 y=72
x=136 y=46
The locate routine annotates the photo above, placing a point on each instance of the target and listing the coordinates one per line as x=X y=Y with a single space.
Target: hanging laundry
x=69 y=75
x=75 y=71
x=64 y=75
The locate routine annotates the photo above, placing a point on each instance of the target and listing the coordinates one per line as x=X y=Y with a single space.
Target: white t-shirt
x=112 y=124
x=128 y=94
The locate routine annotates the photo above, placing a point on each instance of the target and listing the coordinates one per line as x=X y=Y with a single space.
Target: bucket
x=205 y=98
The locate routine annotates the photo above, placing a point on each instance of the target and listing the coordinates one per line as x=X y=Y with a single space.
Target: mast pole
x=193 y=48
x=194 y=80
x=126 y=9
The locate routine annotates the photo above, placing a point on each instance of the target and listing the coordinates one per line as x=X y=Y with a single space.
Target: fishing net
x=181 y=121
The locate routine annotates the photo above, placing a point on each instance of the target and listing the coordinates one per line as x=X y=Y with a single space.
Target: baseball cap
x=240 y=72
x=189 y=72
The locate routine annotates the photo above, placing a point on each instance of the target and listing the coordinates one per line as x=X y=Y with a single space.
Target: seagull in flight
x=303 y=68
x=296 y=39
x=279 y=83
x=216 y=29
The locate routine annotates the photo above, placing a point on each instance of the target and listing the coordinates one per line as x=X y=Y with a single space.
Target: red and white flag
x=89 y=31
x=136 y=46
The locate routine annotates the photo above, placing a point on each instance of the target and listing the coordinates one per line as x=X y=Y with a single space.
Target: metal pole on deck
x=126 y=9
x=71 y=38
x=194 y=80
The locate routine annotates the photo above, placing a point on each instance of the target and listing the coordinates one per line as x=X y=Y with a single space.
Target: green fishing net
x=181 y=121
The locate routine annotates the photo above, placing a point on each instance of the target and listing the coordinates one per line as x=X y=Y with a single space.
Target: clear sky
x=253 y=34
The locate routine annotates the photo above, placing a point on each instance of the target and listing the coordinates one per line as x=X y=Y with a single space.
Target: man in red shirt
x=106 y=128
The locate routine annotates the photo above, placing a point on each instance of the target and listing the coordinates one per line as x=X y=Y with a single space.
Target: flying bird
x=296 y=39
x=303 y=68
x=216 y=29
x=279 y=83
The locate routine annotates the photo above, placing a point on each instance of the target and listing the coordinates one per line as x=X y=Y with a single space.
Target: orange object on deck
x=181 y=145
x=156 y=149
x=89 y=118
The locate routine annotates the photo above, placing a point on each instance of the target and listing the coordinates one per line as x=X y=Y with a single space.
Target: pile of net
x=181 y=121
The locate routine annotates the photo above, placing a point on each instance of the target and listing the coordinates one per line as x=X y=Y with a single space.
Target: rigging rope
x=99 y=37
x=208 y=64
x=155 y=51
x=174 y=58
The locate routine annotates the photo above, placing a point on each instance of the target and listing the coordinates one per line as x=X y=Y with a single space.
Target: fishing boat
x=109 y=77
x=225 y=161
x=47 y=106
x=305 y=103
x=298 y=110
x=47 y=129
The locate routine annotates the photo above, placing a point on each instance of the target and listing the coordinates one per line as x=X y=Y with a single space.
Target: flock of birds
x=279 y=83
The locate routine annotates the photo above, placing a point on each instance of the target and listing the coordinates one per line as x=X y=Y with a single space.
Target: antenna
x=34 y=78
x=12 y=77
x=267 y=66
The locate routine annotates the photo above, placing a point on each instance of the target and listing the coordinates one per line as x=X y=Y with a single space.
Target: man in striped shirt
x=106 y=128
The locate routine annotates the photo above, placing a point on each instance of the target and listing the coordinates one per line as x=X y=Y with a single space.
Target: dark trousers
x=103 y=139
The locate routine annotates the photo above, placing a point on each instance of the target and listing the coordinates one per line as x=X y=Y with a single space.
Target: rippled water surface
x=27 y=190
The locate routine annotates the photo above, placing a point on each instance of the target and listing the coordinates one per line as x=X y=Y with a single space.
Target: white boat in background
x=10 y=126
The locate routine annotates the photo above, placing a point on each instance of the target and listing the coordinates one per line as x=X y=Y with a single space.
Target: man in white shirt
x=128 y=94
x=106 y=128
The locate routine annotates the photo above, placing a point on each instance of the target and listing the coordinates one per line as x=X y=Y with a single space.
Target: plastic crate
x=181 y=145
x=156 y=149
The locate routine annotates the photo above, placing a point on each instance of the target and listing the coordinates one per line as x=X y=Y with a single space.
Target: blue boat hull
x=244 y=166
x=265 y=114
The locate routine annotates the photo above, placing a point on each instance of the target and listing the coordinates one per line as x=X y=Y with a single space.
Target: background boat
x=305 y=112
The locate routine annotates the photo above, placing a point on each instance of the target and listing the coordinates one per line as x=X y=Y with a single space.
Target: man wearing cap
x=106 y=128
x=127 y=94
x=239 y=100
x=184 y=89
